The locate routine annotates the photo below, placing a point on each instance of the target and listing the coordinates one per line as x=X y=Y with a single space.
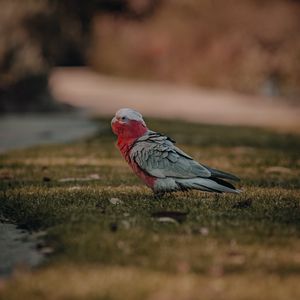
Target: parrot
x=161 y=165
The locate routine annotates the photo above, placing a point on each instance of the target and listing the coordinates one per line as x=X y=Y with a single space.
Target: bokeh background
x=221 y=62
x=222 y=78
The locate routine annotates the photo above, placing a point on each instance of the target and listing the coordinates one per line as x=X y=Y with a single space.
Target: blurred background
x=222 y=62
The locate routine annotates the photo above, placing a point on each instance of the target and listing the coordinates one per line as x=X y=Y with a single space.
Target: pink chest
x=146 y=178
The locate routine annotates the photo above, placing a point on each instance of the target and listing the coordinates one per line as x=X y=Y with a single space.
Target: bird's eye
x=123 y=118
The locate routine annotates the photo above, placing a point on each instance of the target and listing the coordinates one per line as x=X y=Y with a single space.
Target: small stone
x=125 y=224
x=94 y=176
x=204 y=231
x=74 y=188
x=88 y=178
x=46 y=250
x=115 y=201
x=278 y=170
x=167 y=220
x=39 y=234
x=69 y=179
x=178 y=216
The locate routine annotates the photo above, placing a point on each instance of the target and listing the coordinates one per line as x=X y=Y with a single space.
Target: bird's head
x=128 y=123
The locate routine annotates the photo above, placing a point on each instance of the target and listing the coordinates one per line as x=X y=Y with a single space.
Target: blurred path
x=18 y=249
x=22 y=131
x=103 y=95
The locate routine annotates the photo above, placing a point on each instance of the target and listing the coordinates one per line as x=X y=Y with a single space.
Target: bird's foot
x=165 y=195
x=158 y=195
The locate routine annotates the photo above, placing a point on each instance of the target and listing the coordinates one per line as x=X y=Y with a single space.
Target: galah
x=161 y=165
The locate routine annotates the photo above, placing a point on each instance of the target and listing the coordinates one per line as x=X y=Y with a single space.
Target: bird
x=161 y=165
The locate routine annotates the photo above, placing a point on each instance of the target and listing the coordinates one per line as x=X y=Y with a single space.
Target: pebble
x=115 y=201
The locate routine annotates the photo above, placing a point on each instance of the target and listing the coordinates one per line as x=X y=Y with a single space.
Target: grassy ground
x=243 y=246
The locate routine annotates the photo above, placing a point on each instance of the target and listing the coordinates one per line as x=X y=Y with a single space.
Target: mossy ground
x=243 y=246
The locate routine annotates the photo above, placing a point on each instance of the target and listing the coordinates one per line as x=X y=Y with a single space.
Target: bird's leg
x=163 y=194
x=157 y=195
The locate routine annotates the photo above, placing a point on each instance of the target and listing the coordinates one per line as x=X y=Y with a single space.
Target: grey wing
x=156 y=155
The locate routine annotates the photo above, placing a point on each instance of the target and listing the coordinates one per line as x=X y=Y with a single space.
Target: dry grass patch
x=100 y=282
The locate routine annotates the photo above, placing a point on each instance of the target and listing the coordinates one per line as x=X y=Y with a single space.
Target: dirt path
x=103 y=95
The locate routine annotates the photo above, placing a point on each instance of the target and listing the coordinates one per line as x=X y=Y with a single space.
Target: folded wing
x=159 y=157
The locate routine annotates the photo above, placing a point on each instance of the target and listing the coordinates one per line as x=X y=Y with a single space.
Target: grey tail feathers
x=220 y=174
x=211 y=184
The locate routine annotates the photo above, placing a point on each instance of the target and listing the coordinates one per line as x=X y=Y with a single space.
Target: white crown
x=130 y=114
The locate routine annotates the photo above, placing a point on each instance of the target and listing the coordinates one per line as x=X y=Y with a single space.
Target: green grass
x=230 y=246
